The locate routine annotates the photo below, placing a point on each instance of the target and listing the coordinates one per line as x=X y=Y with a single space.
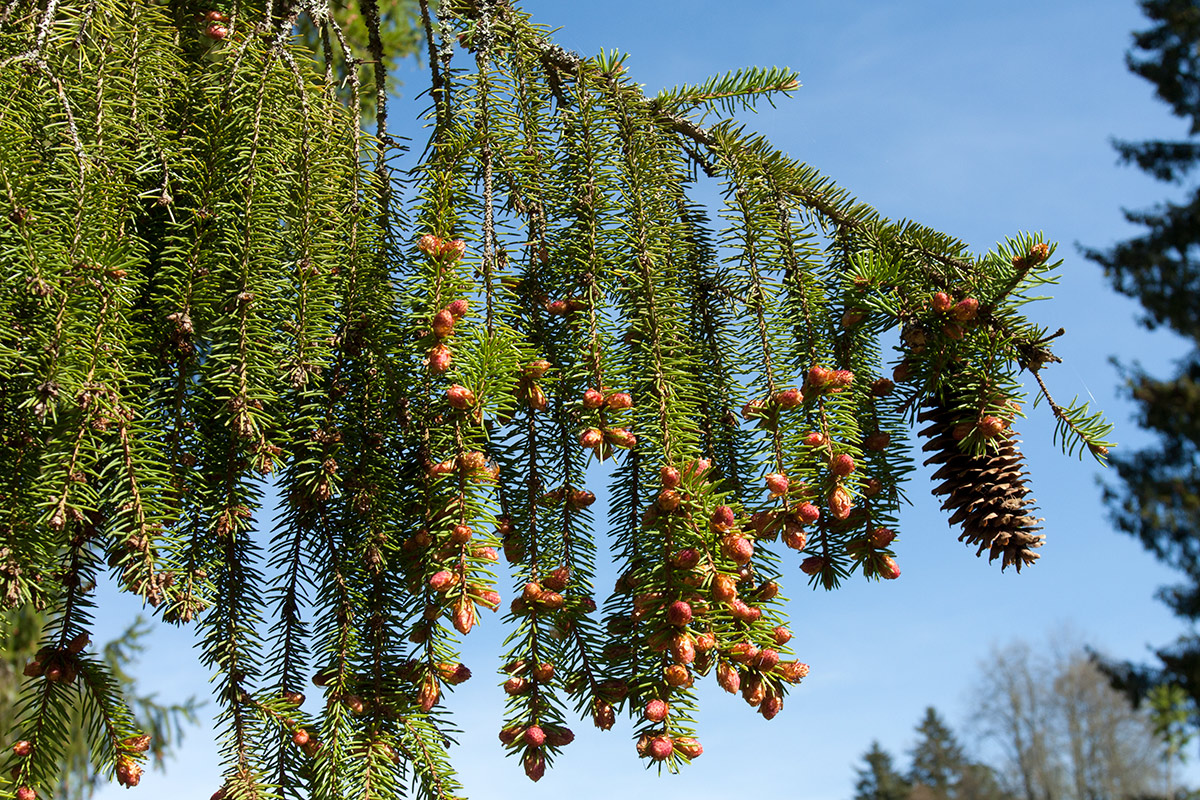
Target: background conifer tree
x=214 y=277
x=1157 y=496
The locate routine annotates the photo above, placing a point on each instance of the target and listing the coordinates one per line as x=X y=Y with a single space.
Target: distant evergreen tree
x=938 y=760
x=1157 y=496
x=878 y=778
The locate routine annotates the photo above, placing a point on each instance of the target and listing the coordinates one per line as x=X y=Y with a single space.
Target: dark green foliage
x=878 y=778
x=215 y=280
x=1157 y=496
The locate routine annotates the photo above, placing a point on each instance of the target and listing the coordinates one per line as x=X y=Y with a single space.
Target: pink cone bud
x=452 y=250
x=661 y=748
x=439 y=359
x=679 y=613
x=818 y=377
x=728 y=677
x=534 y=736
x=668 y=500
x=535 y=766
x=723 y=518
x=842 y=465
x=460 y=396
x=429 y=244
x=656 y=711
x=686 y=558
x=966 y=309
x=789 y=398
x=782 y=635
x=777 y=484
x=538 y=369
x=458 y=309
x=812 y=565
x=840 y=503
x=881 y=538
x=443 y=324
x=888 y=569
x=815 y=440
x=941 y=302
x=591 y=438
x=441 y=581
x=592 y=399
x=670 y=477
x=688 y=747
x=619 y=401
x=737 y=549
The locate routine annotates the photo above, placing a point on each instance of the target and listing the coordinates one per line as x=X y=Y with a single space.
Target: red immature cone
x=789 y=398
x=441 y=580
x=683 y=649
x=872 y=487
x=966 y=309
x=777 y=484
x=754 y=689
x=842 y=465
x=882 y=387
x=472 y=461
x=592 y=398
x=465 y=616
x=458 y=309
x=840 y=503
x=808 y=513
x=216 y=31
x=723 y=518
x=752 y=410
x=840 y=379
x=668 y=500
x=743 y=652
x=795 y=539
x=888 y=569
x=670 y=477
x=535 y=766
x=877 y=441
x=744 y=612
x=677 y=675
x=881 y=537
x=656 y=711
x=22 y=748
x=510 y=734
x=557 y=580
x=724 y=588
x=728 y=678
x=815 y=439
x=793 y=671
x=538 y=369
x=737 y=549
x=460 y=396
x=771 y=706
x=768 y=590
x=706 y=641
x=619 y=401
x=25 y=793
x=216 y=16
x=461 y=534
x=812 y=565
x=591 y=438
x=429 y=693
x=818 y=377
x=439 y=359
x=490 y=597
x=782 y=635
x=557 y=308
x=620 y=437
x=515 y=685
x=688 y=747
x=452 y=250
x=766 y=659
x=686 y=558
x=679 y=613
x=559 y=737
x=537 y=399
x=661 y=748
x=941 y=302
x=544 y=672
x=534 y=736
x=990 y=427
x=429 y=244
x=443 y=324
x=300 y=737
x=603 y=715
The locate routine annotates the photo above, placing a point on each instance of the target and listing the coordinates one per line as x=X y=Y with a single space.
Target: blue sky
x=981 y=119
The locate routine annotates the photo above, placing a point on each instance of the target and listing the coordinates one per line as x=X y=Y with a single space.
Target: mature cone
x=987 y=493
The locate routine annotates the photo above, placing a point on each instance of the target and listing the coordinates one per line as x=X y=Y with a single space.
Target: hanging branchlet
x=219 y=288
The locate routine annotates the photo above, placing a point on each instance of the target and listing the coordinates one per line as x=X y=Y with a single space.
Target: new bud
x=777 y=484
x=679 y=613
x=656 y=711
x=592 y=399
